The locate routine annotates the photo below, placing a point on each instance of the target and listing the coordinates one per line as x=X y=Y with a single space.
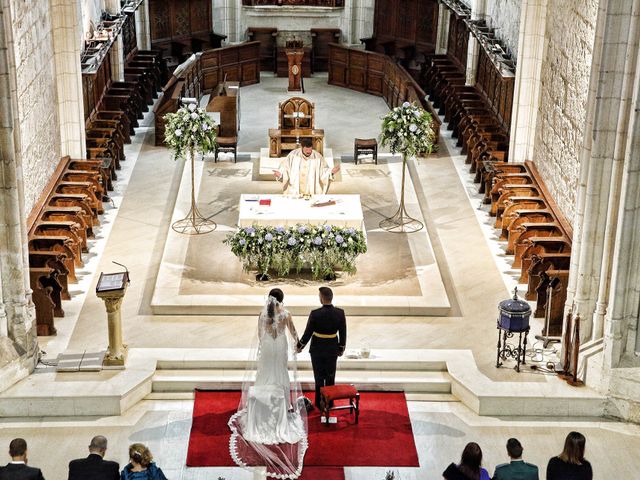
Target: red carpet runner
x=382 y=438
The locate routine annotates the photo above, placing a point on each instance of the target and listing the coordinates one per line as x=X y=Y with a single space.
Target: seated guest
x=570 y=464
x=17 y=468
x=469 y=467
x=141 y=466
x=94 y=467
x=517 y=469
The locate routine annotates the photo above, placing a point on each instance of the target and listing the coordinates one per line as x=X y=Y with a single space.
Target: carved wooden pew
x=557 y=301
x=513 y=204
x=520 y=216
x=55 y=261
x=46 y=298
x=68 y=228
x=81 y=188
x=539 y=245
x=540 y=264
x=71 y=214
x=500 y=181
x=75 y=200
x=105 y=166
x=531 y=230
x=508 y=190
x=490 y=169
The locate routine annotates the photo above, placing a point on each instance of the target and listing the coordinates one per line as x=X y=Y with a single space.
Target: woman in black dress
x=570 y=464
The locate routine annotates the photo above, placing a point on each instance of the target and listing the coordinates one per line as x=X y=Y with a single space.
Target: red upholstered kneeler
x=339 y=392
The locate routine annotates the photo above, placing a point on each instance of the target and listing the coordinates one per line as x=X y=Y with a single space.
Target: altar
x=344 y=211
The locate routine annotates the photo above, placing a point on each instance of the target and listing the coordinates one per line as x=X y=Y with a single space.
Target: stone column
x=526 y=93
x=117 y=51
x=621 y=298
x=478 y=12
x=18 y=342
x=444 y=17
x=603 y=152
x=65 y=20
x=143 y=31
x=117 y=351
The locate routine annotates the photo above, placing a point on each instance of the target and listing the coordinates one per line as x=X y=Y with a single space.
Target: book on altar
x=265 y=202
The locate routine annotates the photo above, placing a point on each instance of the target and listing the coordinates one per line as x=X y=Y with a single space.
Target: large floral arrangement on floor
x=325 y=248
x=191 y=130
x=408 y=129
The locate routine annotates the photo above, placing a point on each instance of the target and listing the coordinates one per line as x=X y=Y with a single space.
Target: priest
x=305 y=171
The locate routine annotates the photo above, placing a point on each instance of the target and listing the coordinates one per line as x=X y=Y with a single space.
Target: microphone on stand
x=125 y=268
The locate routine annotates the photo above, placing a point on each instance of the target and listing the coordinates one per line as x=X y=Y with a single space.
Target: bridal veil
x=269 y=429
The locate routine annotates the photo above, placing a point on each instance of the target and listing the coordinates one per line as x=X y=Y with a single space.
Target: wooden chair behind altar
x=295 y=121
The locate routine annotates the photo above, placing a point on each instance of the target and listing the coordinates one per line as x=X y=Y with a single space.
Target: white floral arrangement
x=190 y=129
x=408 y=129
x=325 y=248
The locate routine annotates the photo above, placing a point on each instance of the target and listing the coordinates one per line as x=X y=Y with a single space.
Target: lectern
x=294 y=59
x=111 y=289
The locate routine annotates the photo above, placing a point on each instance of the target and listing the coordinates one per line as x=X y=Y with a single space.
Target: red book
x=265 y=201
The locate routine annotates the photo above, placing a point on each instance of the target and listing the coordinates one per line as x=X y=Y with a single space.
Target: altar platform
x=399 y=274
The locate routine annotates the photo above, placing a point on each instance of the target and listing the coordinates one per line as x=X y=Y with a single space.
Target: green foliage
x=325 y=248
x=190 y=129
x=408 y=129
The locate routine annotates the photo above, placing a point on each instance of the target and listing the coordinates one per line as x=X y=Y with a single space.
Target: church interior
x=115 y=318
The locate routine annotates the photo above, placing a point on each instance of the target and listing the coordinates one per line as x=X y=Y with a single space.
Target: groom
x=328 y=327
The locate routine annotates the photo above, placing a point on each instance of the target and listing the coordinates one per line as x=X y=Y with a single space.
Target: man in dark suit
x=94 y=467
x=17 y=468
x=517 y=469
x=327 y=330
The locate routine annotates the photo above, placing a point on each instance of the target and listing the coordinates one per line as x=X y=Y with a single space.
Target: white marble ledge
x=47 y=393
x=291 y=10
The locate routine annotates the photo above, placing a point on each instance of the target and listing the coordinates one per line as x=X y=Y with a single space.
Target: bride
x=270 y=427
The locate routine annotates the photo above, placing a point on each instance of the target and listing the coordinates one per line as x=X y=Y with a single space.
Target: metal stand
x=546 y=339
x=401 y=222
x=194 y=223
x=506 y=350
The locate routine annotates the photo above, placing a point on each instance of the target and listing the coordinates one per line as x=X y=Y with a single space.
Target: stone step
x=344 y=363
x=411 y=397
x=408 y=381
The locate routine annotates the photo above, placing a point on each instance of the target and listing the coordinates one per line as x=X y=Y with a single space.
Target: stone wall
x=504 y=16
x=91 y=12
x=39 y=133
x=569 y=37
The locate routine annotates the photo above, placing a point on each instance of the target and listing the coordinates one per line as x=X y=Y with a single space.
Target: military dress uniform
x=516 y=470
x=327 y=330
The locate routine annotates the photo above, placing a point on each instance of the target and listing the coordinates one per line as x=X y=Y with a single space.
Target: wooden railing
x=203 y=72
x=376 y=74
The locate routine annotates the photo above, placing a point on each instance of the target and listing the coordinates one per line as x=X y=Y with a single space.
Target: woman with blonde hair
x=141 y=466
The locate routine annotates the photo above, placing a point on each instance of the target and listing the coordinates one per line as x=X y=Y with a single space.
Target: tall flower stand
x=401 y=221
x=194 y=223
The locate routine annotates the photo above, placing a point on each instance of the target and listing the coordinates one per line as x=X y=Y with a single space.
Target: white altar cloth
x=286 y=211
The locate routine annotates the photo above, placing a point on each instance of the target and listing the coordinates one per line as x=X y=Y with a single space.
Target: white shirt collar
x=17 y=462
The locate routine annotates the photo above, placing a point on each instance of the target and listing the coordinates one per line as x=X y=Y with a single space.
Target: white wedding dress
x=270 y=428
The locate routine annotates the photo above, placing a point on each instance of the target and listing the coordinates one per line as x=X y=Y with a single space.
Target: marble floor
x=474 y=271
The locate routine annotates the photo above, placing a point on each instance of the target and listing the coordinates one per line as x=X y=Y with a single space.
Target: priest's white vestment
x=304 y=175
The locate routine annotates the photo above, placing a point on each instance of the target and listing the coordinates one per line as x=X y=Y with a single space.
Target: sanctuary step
x=409 y=381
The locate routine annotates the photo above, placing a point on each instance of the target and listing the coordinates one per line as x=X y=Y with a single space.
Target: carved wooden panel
x=267 y=39
x=173 y=19
x=321 y=38
x=458 y=40
x=497 y=86
x=403 y=23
